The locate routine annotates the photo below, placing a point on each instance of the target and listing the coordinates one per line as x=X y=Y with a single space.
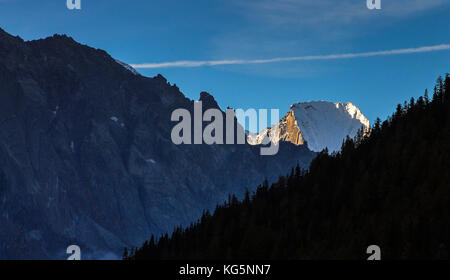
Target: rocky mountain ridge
x=86 y=156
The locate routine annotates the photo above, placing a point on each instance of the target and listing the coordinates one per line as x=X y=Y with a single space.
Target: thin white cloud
x=190 y=63
x=312 y=12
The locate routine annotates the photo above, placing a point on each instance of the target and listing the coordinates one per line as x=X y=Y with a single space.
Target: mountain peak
x=160 y=77
x=6 y=38
x=319 y=124
x=62 y=37
x=208 y=100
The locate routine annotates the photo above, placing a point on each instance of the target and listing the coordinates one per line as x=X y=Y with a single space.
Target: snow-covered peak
x=321 y=124
x=326 y=124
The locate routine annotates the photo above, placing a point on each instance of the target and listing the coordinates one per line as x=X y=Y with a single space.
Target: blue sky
x=145 y=31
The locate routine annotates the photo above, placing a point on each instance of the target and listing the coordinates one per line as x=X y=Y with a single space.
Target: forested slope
x=390 y=189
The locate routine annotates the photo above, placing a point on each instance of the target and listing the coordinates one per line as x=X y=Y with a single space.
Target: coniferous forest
x=389 y=187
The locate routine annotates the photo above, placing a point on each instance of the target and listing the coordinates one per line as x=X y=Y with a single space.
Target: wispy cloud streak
x=190 y=63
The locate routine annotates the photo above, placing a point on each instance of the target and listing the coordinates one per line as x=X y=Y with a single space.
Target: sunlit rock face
x=319 y=124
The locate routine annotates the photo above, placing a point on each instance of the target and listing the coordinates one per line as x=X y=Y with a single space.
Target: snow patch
x=128 y=67
x=56 y=110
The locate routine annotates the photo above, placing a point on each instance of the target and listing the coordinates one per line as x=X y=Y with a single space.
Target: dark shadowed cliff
x=86 y=156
